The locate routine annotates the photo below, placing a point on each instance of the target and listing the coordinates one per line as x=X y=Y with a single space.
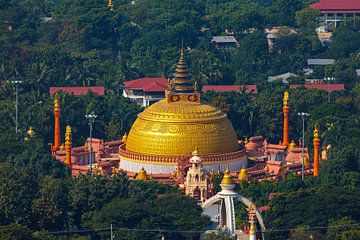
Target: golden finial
x=57 y=101
x=31 y=132
x=286 y=98
x=292 y=145
x=227 y=178
x=124 y=137
x=62 y=147
x=68 y=134
x=110 y=5
x=243 y=175
x=86 y=146
x=246 y=141
x=316 y=131
x=195 y=152
x=141 y=175
x=113 y=171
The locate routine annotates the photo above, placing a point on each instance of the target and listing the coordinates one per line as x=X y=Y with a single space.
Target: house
x=250 y=89
x=358 y=72
x=145 y=91
x=320 y=61
x=224 y=42
x=335 y=11
x=284 y=77
x=78 y=90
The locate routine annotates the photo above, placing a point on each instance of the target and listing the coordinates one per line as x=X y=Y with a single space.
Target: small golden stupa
x=227 y=178
x=243 y=175
x=141 y=175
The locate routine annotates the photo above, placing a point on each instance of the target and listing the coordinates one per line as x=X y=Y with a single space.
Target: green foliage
x=15 y=232
x=344 y=228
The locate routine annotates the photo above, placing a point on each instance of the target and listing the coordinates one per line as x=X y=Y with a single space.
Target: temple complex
x=162 y=140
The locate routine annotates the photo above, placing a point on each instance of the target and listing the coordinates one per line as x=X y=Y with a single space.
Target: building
x=283 y=77
x=161 y=142
x=78 y=90
x=164 y=135
x=320 y=61
x=224 y=42
x=335 y=11
x=145 y=91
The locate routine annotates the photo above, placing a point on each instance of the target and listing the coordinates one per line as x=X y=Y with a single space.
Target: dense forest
x=82 y=43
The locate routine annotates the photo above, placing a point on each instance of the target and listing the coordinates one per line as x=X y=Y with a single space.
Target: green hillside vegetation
x=82 y=43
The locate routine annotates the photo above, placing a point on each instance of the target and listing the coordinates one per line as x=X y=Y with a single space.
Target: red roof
x=147 y=84
x=78 y=90
x=230 y=88
x=337 y=6
x=331 y=87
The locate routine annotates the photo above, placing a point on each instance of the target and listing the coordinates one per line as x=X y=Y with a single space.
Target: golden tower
x=68 y=145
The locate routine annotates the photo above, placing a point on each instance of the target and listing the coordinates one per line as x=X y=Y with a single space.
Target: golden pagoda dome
x=173 y=129
x=141 y=175
x=227 y=178
x=243 y=175
x=169 y=129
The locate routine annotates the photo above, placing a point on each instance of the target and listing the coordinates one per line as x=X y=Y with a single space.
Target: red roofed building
x=78 y=90
x=326 y=87
x=145 y=91
x=250 y=89
x=334 y=11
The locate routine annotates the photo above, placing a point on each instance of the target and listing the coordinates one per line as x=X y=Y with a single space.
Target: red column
x=316 y=143
x=67 y=153
x=285 y=141
x=57 y=137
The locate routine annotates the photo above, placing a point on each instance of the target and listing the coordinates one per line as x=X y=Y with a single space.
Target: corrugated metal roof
x=224 y=39
x=326 y=87
x=319 y=61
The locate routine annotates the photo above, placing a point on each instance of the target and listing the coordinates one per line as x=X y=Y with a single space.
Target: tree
x=307 y=17
x=51 y=205
x=15 y=232
x=344 y=228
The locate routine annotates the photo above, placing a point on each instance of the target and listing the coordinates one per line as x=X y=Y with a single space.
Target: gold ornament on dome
x=316 y=131
x=227 y=178
x=68 y=134
x=57 y=101
x=286 y=99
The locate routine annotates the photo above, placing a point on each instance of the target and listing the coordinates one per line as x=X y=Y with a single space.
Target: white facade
x=142 y=98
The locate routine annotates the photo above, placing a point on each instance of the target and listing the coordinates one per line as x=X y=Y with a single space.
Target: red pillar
x=316 y=142
x=57 y=137
x=285 y=141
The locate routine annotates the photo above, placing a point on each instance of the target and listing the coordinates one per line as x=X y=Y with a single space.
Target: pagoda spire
x=182 y=82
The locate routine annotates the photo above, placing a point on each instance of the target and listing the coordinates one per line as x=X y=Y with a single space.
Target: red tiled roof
x=147 y=84
x=331 y=87
x=78 y=90
x=337 y=6
x=230 y=88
